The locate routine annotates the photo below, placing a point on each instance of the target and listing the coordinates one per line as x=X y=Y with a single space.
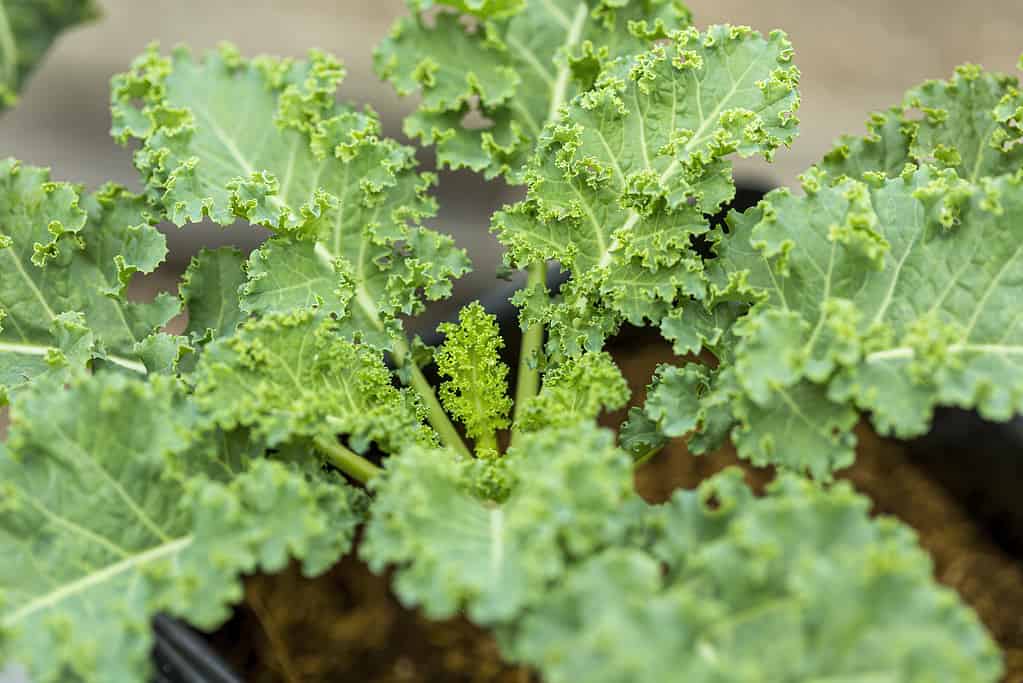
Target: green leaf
x=757 y=589
x=577 y=390
x=476 y=391
x=286 y=274
x=673 y=400
x=111 y=512
x=970 y=123
x=799 y=429
x=622 y=181
x=454 y=551
x=693 y=326
x=690 y=400
x=640 y=436
x=345 y=203
x=488 y=88
x=66 y=264
x=884 y=149
x=890 y=298
x=27 y=29
x=209 y=290
x=292 y=376
x=576 y=322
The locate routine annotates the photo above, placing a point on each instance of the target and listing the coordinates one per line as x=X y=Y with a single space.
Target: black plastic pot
x=181 y=655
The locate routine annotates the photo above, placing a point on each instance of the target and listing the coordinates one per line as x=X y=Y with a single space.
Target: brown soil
x=347 y=626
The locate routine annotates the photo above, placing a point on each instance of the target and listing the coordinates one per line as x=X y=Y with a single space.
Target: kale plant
x=146 y=471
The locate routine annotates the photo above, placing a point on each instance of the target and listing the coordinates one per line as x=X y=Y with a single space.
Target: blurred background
x=856 y=57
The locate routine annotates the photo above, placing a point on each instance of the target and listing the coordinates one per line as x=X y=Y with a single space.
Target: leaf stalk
x=347 y=460
x=435 y=413
x=528 y=382
x=528 y=379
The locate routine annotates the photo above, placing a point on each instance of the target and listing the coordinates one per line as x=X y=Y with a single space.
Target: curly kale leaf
x=209 y=291
x=67 y=261
x=624 y=179
x=27 y=29
x=716 y=585
x=113 y=508
x=891 y=298
x=476 y=391
x=292 y=376
x=455 y=550
x=729 y=587
x=577 y=390
x=490 y=86
x=345 y=204
x=970 y=123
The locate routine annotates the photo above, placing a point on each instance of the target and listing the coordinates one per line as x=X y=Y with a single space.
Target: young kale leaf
x=476 y=391
x=293 y=376
x=209 y=292
x=578 y=390
x=971 y=123
x=457 y=551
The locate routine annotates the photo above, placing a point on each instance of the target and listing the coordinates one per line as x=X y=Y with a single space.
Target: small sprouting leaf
x=673 y=401
x=690 y=400
x=639 y=435
x=112 y=511
x=476 y=389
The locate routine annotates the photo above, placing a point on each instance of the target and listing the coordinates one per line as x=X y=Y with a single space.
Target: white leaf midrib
x=908 y=353
x=84 y=583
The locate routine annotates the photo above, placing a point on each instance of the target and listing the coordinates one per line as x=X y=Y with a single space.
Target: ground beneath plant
x=346 y=625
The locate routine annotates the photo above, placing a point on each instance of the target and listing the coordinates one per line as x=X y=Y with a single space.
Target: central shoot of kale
x=476 y=391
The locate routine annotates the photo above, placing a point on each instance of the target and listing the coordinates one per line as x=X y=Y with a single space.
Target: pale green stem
x=346 y=460
x=435 y=414
x=641 y=460
x=528 y=382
